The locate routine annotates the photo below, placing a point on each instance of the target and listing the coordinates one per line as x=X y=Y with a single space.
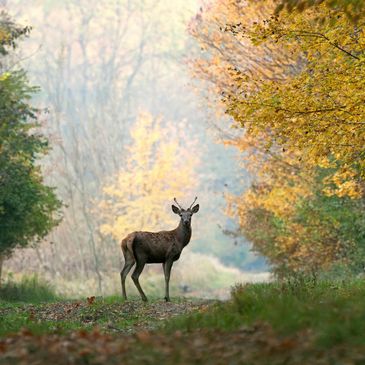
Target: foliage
x=321 y=98
x=290 y=220
x=158 y=169
x=29 y=289
x=352 y=8
x=293 y=82
x=9 y=33
x=223 y=56
x=27 y=206
x=289 y=307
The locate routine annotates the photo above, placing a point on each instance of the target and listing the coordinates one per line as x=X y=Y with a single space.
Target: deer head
x=185 y=214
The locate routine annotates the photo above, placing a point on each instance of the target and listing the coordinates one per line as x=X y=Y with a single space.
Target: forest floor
x=108 y=315
x=274 y=323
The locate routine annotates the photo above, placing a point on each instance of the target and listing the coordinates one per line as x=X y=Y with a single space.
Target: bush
x=333 y=311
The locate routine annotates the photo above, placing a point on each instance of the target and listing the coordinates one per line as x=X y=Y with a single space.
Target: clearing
x=274 y=323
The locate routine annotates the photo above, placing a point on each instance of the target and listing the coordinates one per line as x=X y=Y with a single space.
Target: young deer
x=156 y=247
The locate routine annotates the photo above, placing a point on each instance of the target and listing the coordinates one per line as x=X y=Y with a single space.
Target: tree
x=303 y=124
x=100 y=63
x=158 y=169
x=322 y=97
x=290 y=219
x=223 y=56
x=307 y=74
x=28 y=208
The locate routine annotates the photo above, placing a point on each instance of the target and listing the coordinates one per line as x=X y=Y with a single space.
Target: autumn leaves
x=294 y=83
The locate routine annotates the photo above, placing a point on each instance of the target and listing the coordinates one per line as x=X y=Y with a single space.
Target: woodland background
x=115 y=80
x=257 y=108
x=110 y=109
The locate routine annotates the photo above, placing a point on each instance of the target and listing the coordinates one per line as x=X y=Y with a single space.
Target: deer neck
x=183 y=234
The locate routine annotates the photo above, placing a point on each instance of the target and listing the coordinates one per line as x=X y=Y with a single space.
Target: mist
x=113 y=75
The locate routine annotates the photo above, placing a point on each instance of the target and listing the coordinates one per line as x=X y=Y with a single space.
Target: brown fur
x=164 y=247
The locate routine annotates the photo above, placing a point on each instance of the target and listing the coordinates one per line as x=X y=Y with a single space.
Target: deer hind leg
x=135 y=276
x=167 y=270
x=128 y=264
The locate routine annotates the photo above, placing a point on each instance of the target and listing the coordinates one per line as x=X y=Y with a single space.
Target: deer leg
x=167 y=270
x=129 y=262
x=135 y=276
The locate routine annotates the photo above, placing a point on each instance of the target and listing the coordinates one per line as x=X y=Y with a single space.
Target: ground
x=109 y=315
x=98 y=331
x=296 y=323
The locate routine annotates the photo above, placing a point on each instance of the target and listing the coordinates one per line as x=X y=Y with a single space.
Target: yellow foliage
x=160 y=164
x=269 y=213
x=294 y=83
x=318 y=109
x=297 y=77
x=342 y=183
x=4 y=34
x=228 y=61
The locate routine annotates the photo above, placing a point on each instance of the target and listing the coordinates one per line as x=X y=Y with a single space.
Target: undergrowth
x=30 y=289
x=334 y=311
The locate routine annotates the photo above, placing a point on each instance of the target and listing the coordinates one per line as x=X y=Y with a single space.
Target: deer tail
x=127 y=245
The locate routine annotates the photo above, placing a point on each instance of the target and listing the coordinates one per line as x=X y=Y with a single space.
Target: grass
x=10 y=324
x=64 y=316
x=29 y=290
x=296 y=322
x=34 y=305
x=333 y=311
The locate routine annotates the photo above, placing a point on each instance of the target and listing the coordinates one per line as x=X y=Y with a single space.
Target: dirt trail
x=128 y=333
x=122 y=317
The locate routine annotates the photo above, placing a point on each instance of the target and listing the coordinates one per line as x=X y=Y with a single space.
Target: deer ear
x=195 y=209
x=175 y=209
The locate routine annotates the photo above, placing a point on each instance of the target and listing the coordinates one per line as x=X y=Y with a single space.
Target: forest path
x=98 y=331
x=109 y=315
x=93 y=331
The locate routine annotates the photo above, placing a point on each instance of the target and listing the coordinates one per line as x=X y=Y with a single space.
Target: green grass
x=29 y=290
x=38 y=317
x=299 y=322
x=32 y=304
x=334 y=311
x=15 y=322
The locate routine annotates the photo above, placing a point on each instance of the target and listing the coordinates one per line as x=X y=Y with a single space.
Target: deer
x=162 y=247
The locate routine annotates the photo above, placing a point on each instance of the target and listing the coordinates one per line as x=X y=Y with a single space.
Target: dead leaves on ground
x=128 y=317
x=258 y=345
x=91 y=300
x=254 y=345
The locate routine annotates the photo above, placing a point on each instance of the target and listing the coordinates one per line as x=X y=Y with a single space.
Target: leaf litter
x=143 y=342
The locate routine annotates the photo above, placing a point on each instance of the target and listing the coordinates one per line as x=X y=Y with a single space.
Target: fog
x=104 y=69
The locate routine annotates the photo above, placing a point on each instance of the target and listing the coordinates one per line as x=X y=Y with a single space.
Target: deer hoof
x=145 y=299
x=167 y=299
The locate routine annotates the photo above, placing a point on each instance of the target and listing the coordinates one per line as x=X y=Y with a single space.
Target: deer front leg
x=135 y=276
x=167 y=270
